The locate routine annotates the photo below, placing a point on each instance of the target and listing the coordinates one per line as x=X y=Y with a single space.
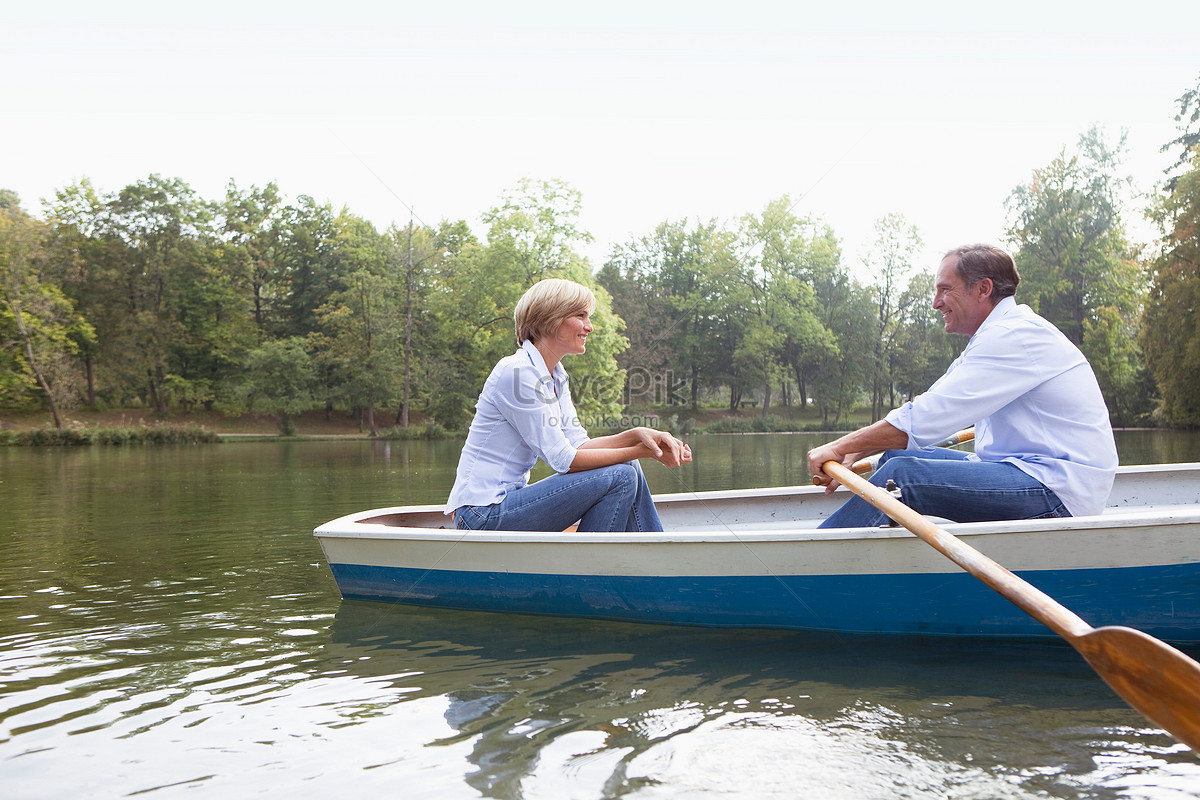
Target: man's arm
x=868 y=441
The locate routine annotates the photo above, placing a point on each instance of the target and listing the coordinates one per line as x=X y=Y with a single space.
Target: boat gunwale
x=357 y=526
x=341 y=529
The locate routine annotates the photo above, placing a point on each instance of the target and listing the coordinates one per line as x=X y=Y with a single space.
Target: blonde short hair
x=546 y=304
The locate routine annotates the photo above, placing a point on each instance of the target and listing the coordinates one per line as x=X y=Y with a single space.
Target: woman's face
x=571 y=337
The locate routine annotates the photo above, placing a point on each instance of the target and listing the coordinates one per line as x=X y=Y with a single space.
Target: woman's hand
x=663 y=447
x=631 y=444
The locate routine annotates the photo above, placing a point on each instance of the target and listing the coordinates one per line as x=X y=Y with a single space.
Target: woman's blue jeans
x=612 y=498
x=939 y=482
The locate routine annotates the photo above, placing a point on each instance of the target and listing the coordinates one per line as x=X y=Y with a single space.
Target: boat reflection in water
x=546 y=706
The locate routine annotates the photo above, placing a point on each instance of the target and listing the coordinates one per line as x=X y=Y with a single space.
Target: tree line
x=154 y=296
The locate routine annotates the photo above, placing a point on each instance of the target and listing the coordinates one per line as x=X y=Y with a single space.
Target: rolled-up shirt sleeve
x=529 y=404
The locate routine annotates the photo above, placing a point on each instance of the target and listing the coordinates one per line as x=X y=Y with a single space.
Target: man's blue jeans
x=939 y=482
x=612 y=498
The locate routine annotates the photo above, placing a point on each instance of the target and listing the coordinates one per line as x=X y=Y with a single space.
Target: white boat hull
x=754 y=558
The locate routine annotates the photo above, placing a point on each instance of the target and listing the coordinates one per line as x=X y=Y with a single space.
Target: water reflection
x=630 y=710
x=167 y=624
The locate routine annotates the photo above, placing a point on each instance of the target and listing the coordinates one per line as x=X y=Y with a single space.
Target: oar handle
x=1030 y=599
x=860 y=467
x=865 y=465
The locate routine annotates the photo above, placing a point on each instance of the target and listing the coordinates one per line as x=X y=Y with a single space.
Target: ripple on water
x=182 y=632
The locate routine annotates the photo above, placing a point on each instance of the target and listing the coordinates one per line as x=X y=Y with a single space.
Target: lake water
x=169 y=628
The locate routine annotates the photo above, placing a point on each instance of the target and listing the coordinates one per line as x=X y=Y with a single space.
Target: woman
x=525 y=412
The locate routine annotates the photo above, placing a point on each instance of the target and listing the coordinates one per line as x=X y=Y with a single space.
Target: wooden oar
x=1153 y=677
x=865 y=465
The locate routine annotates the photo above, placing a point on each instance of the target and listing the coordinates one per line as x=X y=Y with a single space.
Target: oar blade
x=1152 y=676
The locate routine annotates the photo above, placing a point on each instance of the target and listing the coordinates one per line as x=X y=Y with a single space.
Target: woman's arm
x=604 y=451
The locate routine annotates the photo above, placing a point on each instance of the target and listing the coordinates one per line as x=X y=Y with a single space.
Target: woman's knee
x=623 y=475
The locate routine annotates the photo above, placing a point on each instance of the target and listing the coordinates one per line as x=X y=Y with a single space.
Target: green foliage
x=360 y=340
x=38 y=323
x=280 y=380
x=1072 y=251
x=729 y=425
x=154 y=297
x=1170 y=336
x=682 y=287
x=1188 y=121
x=783 y=334
x=891 y=263
x=1117 y=361
x=430 y=431
x=837 y=379
x=81 y=435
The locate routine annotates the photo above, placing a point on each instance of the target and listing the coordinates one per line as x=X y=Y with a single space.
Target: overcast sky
x=653 y=110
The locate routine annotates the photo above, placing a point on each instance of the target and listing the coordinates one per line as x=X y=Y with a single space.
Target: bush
x=821 y=427
x=768 y=424
x=79 y=435
x=728 y=425
x=431 y=430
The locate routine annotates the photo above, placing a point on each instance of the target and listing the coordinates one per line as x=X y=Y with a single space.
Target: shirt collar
x=999 y=311
x=559 y=375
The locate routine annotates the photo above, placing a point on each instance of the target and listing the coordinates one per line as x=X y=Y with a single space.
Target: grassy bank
x=136 y=426
x=312 y=423
x=81 y=435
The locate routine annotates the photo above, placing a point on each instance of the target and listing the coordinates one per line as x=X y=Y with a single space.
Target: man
x=1043 y=443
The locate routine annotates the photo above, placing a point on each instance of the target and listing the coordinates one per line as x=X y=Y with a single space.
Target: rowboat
x=754 y=558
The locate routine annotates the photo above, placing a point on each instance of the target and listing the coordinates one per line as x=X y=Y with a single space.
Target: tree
x=785 y=333
x=1188 y=141
x=458 y=321
x=839 y=382
x=44 y=322
x=534 y=230
x=418 y=247
x=835 y=378
x=1071 y=248
x=891 y=262
x=1111 y=344
x=1170 y=336
x=674 y=287
x=360 y=339
x=254 y=230
x=88 y=258
x=162 y=282
x=308 y=267
x=279 y=380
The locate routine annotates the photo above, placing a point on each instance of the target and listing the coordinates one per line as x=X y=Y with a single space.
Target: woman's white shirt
x=524 y=413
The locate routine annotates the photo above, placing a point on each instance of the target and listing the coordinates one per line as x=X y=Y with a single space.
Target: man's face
x=964 y=308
